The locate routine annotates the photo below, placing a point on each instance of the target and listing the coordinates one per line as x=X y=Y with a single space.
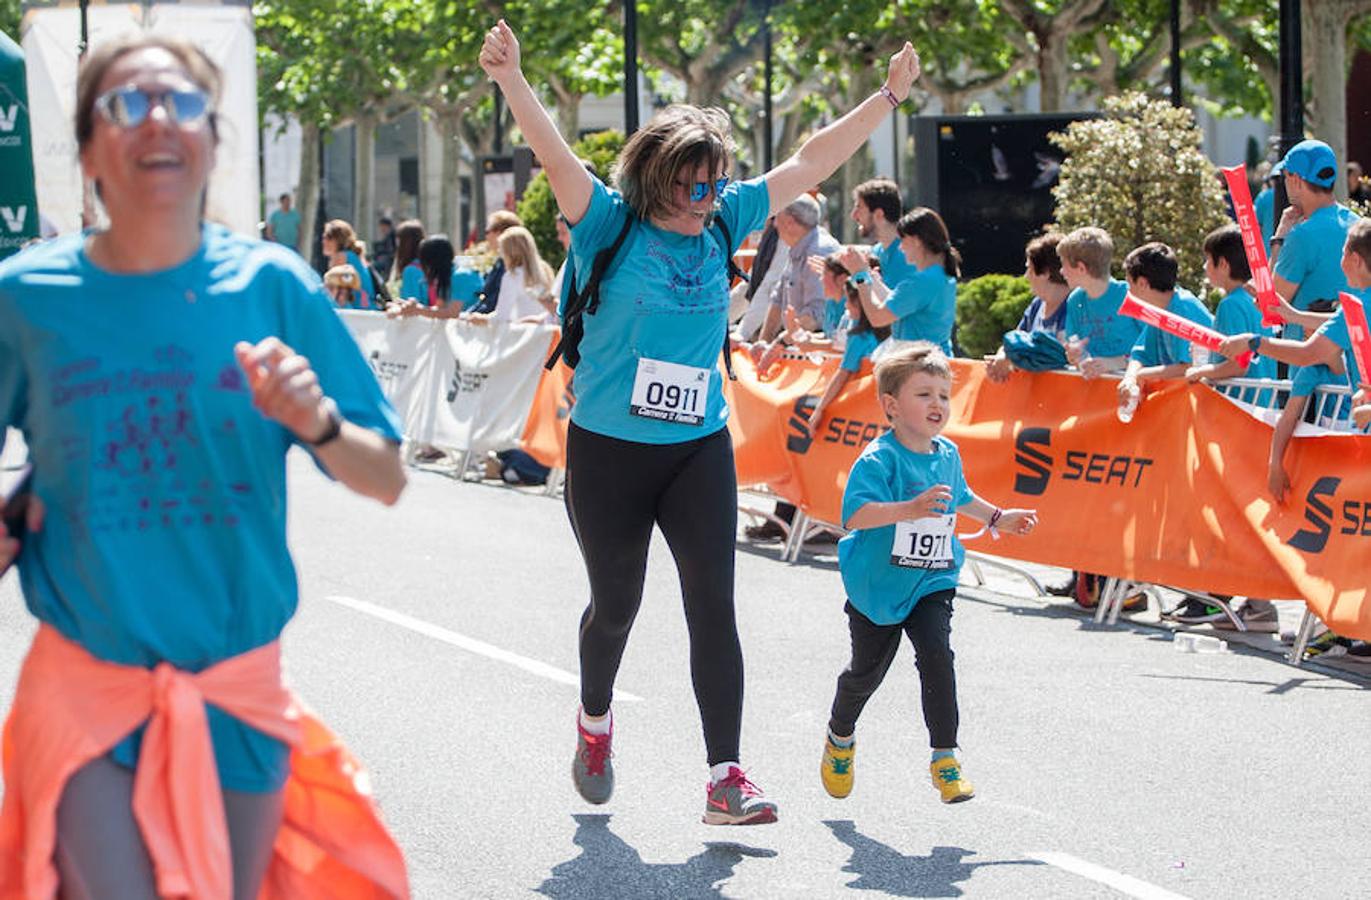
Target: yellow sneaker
x=947 y=778
x=836 y=768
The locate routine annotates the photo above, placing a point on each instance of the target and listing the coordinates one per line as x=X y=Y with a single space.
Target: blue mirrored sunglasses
x=700 y=189
x=129 y=106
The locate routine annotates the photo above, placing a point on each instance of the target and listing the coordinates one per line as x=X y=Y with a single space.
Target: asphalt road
x=438 y=638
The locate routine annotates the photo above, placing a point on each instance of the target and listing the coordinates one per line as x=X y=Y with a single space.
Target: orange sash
x=70 y=708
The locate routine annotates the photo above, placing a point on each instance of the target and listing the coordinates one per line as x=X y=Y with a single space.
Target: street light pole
x=1177 y=93
x=768 y=136
x=630 y=67
x=1292 y=90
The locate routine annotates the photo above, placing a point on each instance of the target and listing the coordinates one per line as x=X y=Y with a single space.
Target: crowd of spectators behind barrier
x=808 y=293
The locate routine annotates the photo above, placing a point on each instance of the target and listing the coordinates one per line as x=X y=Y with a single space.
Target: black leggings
x=929 y=627
x=615 y=491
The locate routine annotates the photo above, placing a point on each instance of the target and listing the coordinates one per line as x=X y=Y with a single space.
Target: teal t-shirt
x=1098 y=320
x=860 y=346
x=665 y=298
x=1238 y=314
x=1335 y=329
x=1155 y=347
x=926 y=306
x=286 y=227
x=834 y=310
x=413 y=284
x=1311 y=257
x=895 y=266
x=365 y=296
x=1264 y=205
x=886 y=472
x=166 y=489
x=466 y=286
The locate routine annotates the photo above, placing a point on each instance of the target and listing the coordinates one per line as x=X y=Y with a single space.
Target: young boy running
x=901 y=561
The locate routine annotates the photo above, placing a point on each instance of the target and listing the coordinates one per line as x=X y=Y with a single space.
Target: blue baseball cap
x=1311 y=160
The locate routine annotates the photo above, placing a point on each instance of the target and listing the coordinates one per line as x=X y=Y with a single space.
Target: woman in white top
x=526 y=290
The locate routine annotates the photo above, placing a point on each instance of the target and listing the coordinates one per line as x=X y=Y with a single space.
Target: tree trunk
x=1325 y=28
x=1053 y=67
x=307 y=194
x=364 y=187
x=568 y=108
x=450 y=210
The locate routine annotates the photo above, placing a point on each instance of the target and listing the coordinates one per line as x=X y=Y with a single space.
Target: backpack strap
x=584 y=301
x=734 y=273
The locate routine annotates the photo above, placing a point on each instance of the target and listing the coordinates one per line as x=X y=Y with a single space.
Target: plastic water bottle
x=1129 y=405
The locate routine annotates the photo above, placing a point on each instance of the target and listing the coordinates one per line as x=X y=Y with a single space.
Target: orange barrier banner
x=1178 y=497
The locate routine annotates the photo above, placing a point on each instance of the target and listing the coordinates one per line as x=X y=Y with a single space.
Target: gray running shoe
x=591 y=769
x=737 y=801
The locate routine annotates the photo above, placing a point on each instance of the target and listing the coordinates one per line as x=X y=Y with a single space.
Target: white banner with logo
x=456 y=385
x=489 y=383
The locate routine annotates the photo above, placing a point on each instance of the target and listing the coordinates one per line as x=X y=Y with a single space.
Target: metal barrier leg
x=976 y=572
x=555 y=480
x=799 y=524
x=1102 y=603
x=1302 y=636
x=1122 y=589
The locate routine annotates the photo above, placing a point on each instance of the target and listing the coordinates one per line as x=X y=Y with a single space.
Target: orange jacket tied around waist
x=70 y=708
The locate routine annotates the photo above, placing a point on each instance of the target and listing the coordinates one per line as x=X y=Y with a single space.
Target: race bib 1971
x=670 y=392
x=924 y=543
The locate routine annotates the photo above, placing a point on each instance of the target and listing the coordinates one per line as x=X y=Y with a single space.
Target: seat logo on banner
x=9 y=118
x=1355 y=516
x=1036 y=463
x=14 y=218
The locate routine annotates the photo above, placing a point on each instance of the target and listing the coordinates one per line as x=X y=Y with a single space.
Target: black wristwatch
x=335 y=424
x=1254 y=343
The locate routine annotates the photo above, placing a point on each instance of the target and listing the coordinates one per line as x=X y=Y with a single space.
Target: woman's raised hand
x=500 y=52
x=903 y=71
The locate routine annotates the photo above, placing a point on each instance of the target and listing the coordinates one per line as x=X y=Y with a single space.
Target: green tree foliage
x=538 y=208
x=1139 y=174
x=10 y=16
x=987 y=307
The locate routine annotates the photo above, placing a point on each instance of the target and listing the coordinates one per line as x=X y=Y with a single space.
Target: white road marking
x=471 y=645
x=1126 y=884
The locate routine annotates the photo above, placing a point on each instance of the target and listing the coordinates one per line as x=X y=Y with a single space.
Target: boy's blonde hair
x=1090 y=247
x=898 y=366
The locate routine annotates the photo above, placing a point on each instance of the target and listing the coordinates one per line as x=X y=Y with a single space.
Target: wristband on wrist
x=888 y=94
x=1277 y=240
x=861 y=277
x=1254 y=343
x=334 y=426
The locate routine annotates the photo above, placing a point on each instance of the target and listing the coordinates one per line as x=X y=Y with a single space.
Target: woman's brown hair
x=678 y=139
x=344 y=238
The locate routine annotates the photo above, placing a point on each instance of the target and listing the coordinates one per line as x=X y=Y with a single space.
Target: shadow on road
x=608 y=868
x=883 y=868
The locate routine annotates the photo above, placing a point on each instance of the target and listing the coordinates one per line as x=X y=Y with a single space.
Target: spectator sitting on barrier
x=1156 y=355
x=342 y=248
x=922 y=306
x=406 y=269
x=861 y=341
x=496 y=223
x=526 y=286
x=1226 y=267
x=1046 y=312
x=343 y=285
x=1099 y=337
x=1304 y=252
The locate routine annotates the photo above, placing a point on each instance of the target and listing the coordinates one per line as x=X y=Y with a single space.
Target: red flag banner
x=1236 y=176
